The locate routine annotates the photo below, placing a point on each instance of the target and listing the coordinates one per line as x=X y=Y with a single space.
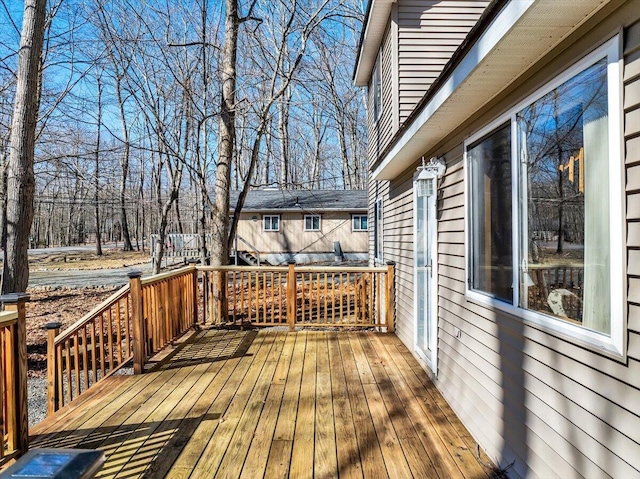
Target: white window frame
x=319 y=228
x=378 y=230
x=613 y=345
x=376 y=87
x=264 y=224
x=359 y=228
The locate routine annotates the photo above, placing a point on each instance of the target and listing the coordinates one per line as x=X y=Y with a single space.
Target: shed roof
x=302 y=200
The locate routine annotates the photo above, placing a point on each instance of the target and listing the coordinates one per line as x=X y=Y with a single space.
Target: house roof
x=509 y=39
x=303 y=200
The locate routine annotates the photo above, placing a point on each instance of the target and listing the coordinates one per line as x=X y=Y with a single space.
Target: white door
x=425 y=274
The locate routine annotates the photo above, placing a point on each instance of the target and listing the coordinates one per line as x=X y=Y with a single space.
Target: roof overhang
x=375 y=24
x=301 y=210
x=517 y=37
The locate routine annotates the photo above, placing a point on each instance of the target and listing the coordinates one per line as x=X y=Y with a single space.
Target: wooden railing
x=169 y=307
x=91 y=349
x=148 y=314
x=130 y=326
x=13 y=378
x=299 y=296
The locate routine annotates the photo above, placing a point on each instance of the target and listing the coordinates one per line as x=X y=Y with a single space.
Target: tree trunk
x=124 y=167
x=220 y=213
x=97 y=174
x=20 y=176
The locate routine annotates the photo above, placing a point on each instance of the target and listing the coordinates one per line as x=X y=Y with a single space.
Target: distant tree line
x=133 y=117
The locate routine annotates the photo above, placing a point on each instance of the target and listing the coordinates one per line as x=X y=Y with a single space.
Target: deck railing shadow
x=201 y=349
x=157 y=444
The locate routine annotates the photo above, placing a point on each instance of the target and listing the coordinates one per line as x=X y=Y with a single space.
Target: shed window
x=360 y=222
x=312 y=222
x=545 y=189
x=271 y=222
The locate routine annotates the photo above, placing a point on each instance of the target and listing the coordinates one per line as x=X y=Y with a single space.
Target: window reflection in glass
x=564 y=226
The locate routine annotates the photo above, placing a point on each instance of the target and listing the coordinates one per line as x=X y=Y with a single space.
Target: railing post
x=291 y=295
x=139 y=337
x=17 y=302
x=221 y=297
x=390 y=297
x=194 y=277
x=53 y=399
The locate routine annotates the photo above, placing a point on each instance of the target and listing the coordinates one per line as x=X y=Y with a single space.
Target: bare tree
x=20 y=177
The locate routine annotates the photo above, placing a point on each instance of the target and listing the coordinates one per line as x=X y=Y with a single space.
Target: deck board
x=269 y=404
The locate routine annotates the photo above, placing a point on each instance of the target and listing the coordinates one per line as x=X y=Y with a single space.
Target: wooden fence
x=13 y=378
x=299 y=296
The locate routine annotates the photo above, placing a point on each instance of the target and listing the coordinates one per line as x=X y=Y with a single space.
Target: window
x=377 y=88
x=271 y=222
x=545 y=206
x=489 y=161
x=379 y=230
x=360 y=222
x=312 y=222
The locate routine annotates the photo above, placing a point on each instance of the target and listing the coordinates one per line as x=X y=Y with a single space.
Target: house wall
x=549 y=405
x=429 y=32
x=292 y=238
x=381 y=130
x=420 y=38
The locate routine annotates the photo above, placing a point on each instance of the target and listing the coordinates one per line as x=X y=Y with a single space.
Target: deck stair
x=250 y=259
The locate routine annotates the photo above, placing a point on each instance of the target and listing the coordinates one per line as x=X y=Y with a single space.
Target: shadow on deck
x=272 y=404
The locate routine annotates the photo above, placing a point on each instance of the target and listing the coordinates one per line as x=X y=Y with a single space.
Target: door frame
x=432 y=300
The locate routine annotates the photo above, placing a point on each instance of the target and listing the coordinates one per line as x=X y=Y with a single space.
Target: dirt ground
x=112 y=258
x=66 y=305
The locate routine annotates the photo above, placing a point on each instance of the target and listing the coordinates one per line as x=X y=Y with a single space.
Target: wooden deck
x=272 y=404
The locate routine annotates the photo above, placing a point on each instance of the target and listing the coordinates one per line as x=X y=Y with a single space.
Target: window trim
x=378 y=231
x=313 y=216
x=264 y=217
x=359 y=215
x=613 y=345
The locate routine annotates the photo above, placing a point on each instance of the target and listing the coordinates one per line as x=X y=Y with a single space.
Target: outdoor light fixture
x=428 y=174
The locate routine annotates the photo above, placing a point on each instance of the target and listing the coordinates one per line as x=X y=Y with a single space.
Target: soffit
x=520 y=35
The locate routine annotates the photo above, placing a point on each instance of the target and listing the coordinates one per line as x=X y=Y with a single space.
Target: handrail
x=253 y=248
x=300 y=269
x=300 y=296
x=157 y=278
x=14 y=420
x=8 y=318
x=102 y=341
x=91 y=314
x=90 y=350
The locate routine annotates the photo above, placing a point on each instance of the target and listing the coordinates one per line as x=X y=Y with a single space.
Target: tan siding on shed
x=556 y=408
x=428 y=34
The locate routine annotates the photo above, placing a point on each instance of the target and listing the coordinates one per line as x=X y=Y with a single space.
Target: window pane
x=490 y=214
x=564 y=202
